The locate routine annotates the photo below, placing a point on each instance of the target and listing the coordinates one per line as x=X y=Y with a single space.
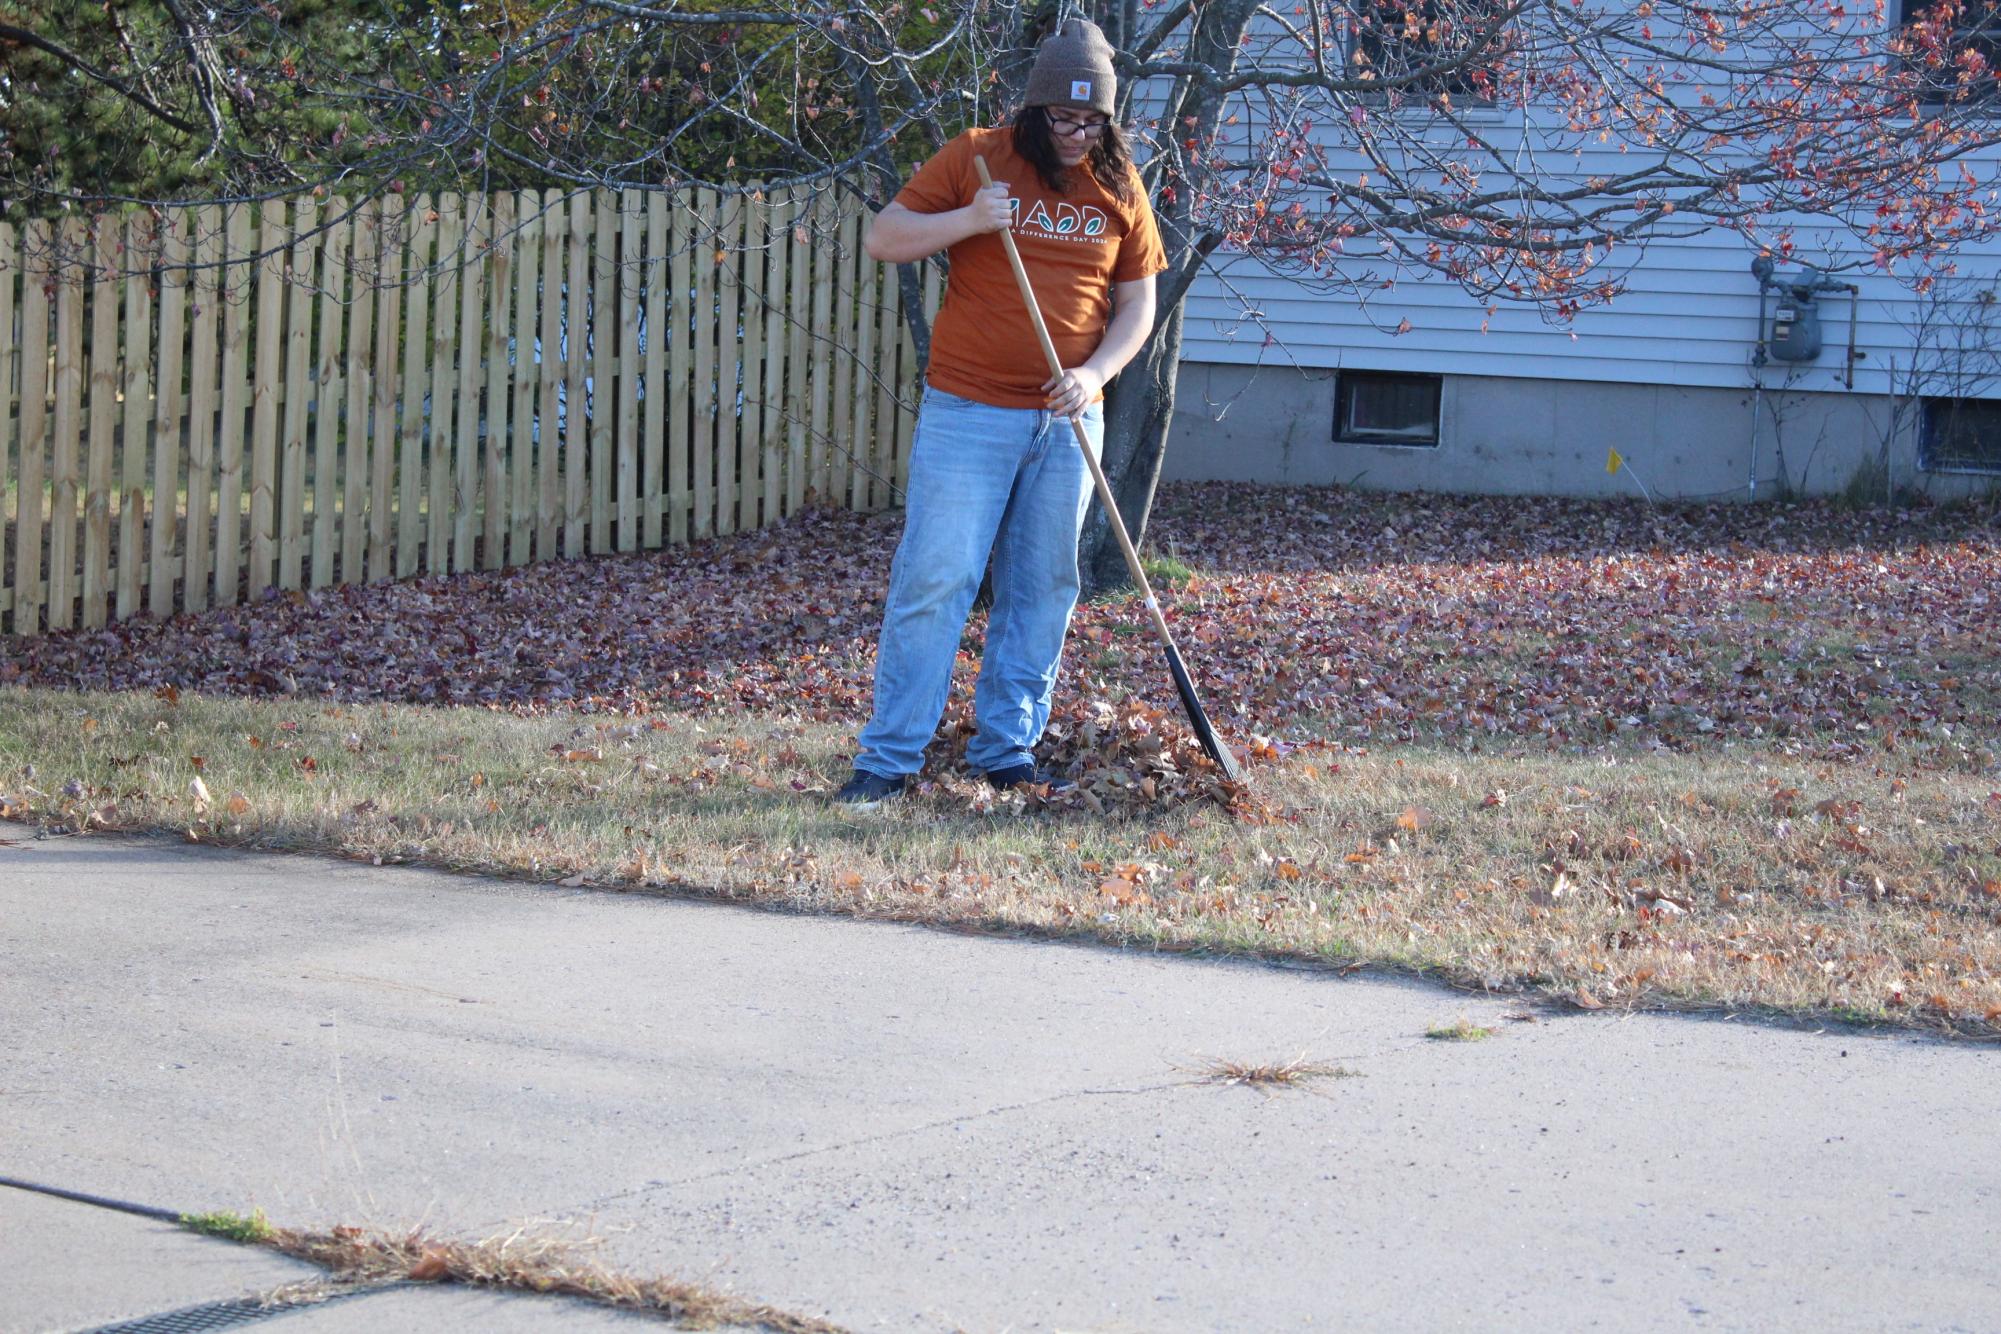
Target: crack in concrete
x=905 y=1132
x=881 y=1138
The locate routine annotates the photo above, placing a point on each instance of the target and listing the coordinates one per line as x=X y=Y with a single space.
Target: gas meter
x=1792 y=331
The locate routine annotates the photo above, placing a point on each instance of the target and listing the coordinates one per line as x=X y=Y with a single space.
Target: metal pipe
x=1854 y=302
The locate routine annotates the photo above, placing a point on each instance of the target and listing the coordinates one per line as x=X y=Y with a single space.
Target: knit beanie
x=1073 y=68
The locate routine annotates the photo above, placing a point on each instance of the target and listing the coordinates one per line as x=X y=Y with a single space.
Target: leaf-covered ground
x=1731 y=756
x=1315 y=616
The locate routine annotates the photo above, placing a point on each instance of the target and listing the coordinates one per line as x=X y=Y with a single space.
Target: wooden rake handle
x=1184 y=685
x=1083 y=441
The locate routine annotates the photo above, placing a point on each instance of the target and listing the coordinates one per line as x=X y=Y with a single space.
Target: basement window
x=1385 y=408
x=1961 y=435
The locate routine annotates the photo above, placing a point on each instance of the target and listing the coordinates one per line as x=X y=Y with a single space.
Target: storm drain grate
x=227 y=1315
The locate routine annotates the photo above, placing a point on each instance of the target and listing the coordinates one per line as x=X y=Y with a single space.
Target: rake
x=1183 y=683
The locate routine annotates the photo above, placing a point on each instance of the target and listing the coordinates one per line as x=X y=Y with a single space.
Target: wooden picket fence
x=206 y=404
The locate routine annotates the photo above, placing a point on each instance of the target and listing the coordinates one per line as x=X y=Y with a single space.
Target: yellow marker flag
x=1612 y=460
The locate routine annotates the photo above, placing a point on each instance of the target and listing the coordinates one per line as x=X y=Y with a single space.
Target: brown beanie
x=1073 y=68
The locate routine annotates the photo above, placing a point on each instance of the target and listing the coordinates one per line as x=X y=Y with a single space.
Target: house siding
x=1665 y=372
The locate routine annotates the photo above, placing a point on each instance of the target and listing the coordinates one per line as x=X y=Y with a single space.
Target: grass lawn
x=1737 y=758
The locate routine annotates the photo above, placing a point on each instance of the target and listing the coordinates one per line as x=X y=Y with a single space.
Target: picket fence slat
x=37 y=271
x=269 y=320
x=844 y=440
x=10 y=268
x=799 y=303
x=65 y=480
x=415 y=387
x=521 y=453
x=631 y=294
x=472 y=298
x=679 y=370
x=137 y=389
x=500 y=292
x=576 y=437
x=702 y=444
x=819 y=463
x=216 y=402
x=604 y=280
x=394 y=235
x=729 y=291
x=750 y=355
x=888 y=336
x=299 y=278
x=771 y=339
x=867 y=290
x=548 y=448
x=168 y=400
x=444 y=387
x=329 y=396
x=103 y=353
x=203 y=363
x=363 y=258
x=652 y=433
x=236 y=393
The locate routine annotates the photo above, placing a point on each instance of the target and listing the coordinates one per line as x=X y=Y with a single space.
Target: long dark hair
x=1109 y=159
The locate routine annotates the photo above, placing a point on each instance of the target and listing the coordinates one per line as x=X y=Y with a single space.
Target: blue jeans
x=1009 y=480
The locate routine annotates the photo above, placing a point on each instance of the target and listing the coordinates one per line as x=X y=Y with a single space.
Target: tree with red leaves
x=1523 y=150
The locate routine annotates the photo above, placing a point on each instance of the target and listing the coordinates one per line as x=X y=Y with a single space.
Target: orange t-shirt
x=1074 y=246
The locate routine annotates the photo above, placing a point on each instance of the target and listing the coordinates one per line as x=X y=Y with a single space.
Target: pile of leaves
x=1313 y=617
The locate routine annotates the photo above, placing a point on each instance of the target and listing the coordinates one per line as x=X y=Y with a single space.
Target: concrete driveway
x=899 y=1129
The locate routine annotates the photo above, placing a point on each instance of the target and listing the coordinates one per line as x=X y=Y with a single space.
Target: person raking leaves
x=995 y=467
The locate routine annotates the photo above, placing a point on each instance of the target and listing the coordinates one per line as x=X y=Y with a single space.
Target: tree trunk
x=1139 y=407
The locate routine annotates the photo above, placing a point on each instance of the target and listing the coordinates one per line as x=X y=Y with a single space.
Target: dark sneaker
x=1032 y=774
x=866 y=789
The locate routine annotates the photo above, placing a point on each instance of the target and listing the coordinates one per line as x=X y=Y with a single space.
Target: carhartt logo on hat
x=1073 y=68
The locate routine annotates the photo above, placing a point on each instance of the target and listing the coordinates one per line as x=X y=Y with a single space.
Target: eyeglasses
x=1077 y=129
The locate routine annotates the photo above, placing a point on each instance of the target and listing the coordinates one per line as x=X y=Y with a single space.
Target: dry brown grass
x=524 y=1262
x=1738 y=877
x=1267 y=1076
